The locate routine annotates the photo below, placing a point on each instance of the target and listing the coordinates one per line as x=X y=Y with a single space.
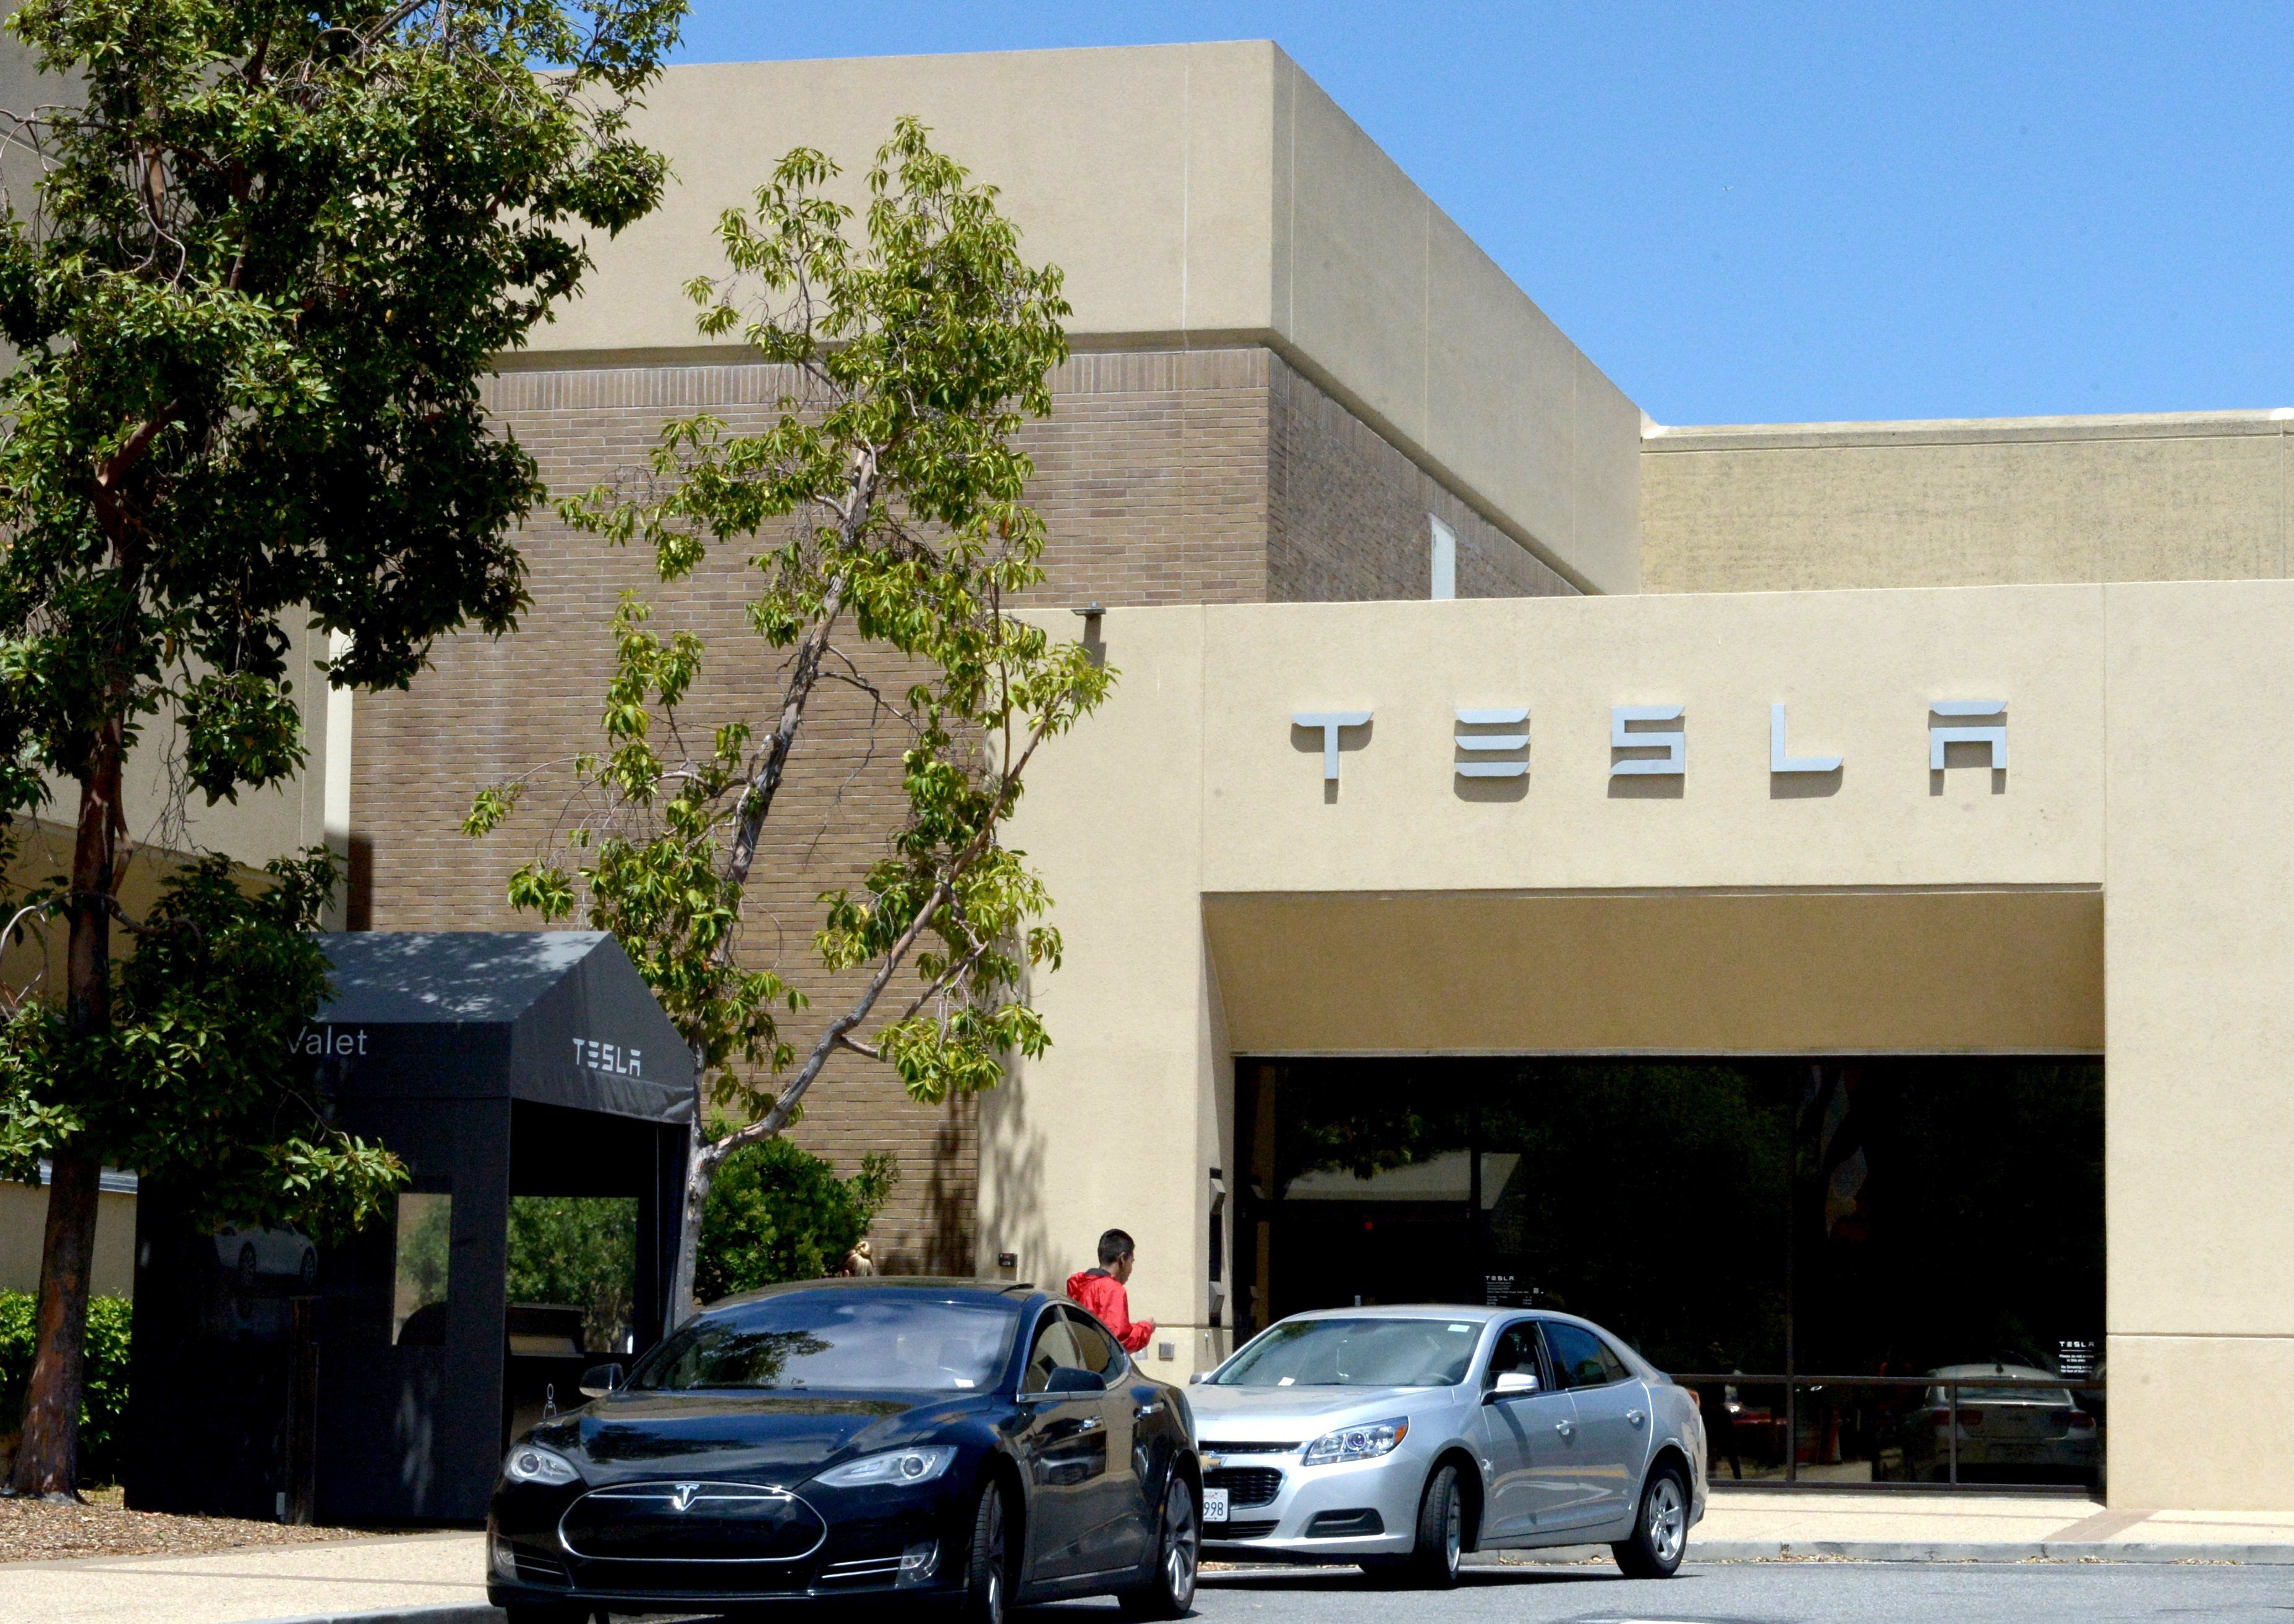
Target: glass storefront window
x=1867 y=1227
x=424 y=1237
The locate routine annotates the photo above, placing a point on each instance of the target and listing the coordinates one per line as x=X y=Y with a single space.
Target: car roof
x=1414 y=1310
x=2022 y=1372
x=947 y=1287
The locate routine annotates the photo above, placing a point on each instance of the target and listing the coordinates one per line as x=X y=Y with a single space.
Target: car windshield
x=843 y=1340
x=1357 y=1353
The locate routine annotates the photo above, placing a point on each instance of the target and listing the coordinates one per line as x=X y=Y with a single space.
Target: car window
x=1618 y=1370
x=1100 y=1352
x=1055 y=1349
x=1579 y=1358
x=1516 y=1350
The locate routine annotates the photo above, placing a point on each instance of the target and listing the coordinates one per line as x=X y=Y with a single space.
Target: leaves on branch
x=197 y=1082
x=885 y=503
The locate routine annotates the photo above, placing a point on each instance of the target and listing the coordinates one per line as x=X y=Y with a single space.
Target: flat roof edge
x=1963 y=431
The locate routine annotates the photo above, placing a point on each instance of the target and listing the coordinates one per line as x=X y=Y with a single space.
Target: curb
x=448 y=1613
x=1941 y=1551
x=2042 y=1550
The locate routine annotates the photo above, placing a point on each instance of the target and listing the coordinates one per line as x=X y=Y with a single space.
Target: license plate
x=1214 y=1505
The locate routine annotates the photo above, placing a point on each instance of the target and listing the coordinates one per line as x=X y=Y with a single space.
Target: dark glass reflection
x=1870 y=1218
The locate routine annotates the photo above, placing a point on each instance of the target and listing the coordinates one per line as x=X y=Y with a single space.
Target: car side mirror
x=598 y=1380
x=1069 y=1378
x=1510 y=1385
x=1197 y=1377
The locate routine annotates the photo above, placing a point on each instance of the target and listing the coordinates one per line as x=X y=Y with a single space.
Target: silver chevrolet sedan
x=1398 y=1438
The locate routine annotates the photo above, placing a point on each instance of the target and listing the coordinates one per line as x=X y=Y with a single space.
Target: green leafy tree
x=194 y=1082
x=776 y=1212
x=270 y=250
x=914 y=348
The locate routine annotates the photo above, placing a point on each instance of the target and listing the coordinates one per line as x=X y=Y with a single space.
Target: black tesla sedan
x=880 y=1440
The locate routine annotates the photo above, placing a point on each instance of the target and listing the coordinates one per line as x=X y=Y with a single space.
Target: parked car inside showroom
x=2015 y=1423
x=1399 y=1438
x=885 y=1440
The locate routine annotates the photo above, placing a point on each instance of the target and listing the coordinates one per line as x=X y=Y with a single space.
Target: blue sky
x=1761 y=214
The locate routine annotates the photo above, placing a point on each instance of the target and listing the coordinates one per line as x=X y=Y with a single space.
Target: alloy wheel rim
x=1453 y=1534
x=1666 y=1522
x=1179 y=1544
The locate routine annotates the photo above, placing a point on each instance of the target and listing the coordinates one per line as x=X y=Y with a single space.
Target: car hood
x=781 y=1438
x=1294 y=1415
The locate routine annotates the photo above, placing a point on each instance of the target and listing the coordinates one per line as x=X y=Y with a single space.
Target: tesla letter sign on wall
x=1652 y=741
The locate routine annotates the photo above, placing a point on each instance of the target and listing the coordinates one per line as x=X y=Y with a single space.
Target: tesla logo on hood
x=681 y=1499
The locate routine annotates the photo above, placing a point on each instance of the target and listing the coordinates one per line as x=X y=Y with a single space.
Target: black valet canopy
x=497 y=1065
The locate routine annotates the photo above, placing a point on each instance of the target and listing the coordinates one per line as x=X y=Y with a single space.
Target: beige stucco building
x=1304 y=410
x=1302 y=398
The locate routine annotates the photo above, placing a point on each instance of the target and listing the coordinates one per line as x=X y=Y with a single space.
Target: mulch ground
x=36 y=1530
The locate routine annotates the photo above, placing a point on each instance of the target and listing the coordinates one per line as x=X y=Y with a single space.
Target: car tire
x=1168 y=1589
x=1432 y=1563
x=1660 y=1536
x=988 y=1561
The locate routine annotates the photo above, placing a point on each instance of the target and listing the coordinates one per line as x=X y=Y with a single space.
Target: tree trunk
x=47 y=1452
x=698 y=1171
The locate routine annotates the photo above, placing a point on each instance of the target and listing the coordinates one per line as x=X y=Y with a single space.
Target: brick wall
x=1348 y=512
x=1218 y=477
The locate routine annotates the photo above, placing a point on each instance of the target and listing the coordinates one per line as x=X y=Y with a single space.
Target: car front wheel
x=1433 y=1562
x=1169 y=1590
x=987 y=1564
x=1661 y=1532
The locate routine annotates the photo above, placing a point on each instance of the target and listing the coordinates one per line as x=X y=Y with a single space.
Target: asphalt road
x=1757 y=1593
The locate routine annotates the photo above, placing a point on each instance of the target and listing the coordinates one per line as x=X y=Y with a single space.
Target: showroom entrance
x=1875 y=1268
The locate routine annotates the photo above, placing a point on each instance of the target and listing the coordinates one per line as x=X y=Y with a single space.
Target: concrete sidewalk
x=1747 y=1525
x=408 y=1576
x=438 y=1579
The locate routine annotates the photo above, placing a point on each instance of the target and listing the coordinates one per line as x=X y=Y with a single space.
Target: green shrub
x=779 y=1213
x=104 y=1416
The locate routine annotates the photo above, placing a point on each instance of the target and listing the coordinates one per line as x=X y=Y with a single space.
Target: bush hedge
x=779 y=1213
x=104 y=1417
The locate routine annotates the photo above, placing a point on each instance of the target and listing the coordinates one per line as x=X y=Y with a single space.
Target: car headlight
x=530 y=1462
x=1356 y=1442
x=919 y=1465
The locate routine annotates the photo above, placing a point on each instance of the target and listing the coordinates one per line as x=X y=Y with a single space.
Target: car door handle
x=1566 y=1429
x=1635 y=1416
x=1145 y=1410
x=1089 y=1424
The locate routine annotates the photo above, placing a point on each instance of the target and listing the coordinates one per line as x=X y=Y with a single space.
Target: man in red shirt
x=1101 y=1290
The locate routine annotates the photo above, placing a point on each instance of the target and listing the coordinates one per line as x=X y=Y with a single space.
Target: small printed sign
x=1214 y=1505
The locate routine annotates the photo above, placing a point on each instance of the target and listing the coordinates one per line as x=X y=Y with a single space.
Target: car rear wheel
x=1432 y=1563
x=1661 y=1532
x=1169 y=1589
x=987 y=1564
